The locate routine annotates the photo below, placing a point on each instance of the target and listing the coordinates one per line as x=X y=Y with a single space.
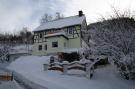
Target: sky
x=16 y=14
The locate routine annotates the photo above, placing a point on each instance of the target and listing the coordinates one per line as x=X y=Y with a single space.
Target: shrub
x=102 y=62
x=70 y=57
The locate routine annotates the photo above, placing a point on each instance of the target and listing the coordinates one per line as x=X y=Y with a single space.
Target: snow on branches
x=116 y=39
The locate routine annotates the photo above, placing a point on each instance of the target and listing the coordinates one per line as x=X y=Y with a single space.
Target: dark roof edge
x=57 y=35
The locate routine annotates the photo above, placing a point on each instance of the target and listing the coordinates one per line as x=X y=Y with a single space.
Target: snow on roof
x=56 y=34
x=68 y=21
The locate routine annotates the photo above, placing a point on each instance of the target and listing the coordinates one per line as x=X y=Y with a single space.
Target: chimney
x=80 y=13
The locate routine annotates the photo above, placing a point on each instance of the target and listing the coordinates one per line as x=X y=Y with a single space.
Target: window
x=40 y=35
x=70 y=30
x=44 y=33
x=35 y=37
x=40 y=47
x=45 y=46
x=54 y=44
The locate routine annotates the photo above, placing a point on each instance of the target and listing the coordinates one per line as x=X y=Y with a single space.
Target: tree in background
x=26 y=35
x=58 y=16
x=115 y=38
x=46 y=17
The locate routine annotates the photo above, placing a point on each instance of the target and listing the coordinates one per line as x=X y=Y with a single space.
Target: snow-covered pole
x=45 y=67
x=65 y=67
x=88 y=71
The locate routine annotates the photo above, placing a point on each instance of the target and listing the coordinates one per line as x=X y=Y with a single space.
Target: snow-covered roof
x=57 y=34
x=64 y=22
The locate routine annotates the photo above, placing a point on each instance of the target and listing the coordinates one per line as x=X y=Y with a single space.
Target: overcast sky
x=15 y=14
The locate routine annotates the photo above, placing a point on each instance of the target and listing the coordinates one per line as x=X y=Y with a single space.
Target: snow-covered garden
x=113 y=39
x=105 y=77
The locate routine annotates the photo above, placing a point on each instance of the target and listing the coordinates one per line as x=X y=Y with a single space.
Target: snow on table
x=31 y=67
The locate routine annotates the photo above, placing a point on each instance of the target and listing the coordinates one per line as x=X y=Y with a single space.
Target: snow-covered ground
x=106 y=77
x=21 y=49
x=9 y=85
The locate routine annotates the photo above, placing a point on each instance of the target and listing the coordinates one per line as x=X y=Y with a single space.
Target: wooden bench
x=6 y=76
x=87 y=67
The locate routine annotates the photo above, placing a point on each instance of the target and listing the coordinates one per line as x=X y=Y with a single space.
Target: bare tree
x=26 y=35
x=59 y=15
x=45 y=18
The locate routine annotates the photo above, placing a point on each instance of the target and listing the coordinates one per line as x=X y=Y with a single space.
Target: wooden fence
x=5 y=76
x=87 y=67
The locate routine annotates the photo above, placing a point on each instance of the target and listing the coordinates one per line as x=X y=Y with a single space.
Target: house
x=59 y=35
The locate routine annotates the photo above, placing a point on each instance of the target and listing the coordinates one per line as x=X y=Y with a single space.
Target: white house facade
x=59 y=35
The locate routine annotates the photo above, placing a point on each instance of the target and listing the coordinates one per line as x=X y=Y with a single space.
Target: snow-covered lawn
x=106 y=77
x=20 y=49
x=9 y=85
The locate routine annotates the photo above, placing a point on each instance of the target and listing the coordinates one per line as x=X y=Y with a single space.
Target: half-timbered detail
x=59 y=35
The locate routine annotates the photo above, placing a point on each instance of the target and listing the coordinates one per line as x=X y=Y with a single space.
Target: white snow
x=20 y=49
x=106 y=77
x=68 y=21
x=9 y=85
x=56 y=34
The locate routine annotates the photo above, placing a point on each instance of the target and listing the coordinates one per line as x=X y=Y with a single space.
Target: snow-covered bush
x=70 y=57
x=116 y=39
x=89 y=55
x=4 y=53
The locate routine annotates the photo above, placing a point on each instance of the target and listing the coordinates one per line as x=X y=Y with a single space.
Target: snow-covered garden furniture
x=6 y=76
x=86 y=66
